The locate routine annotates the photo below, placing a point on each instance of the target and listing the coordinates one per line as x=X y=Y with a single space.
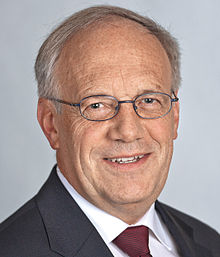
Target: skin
x=122 y=59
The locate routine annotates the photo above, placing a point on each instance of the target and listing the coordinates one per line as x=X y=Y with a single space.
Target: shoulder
x=18 y=216
x=189 y=220
x=23 y=233
x=198 y=230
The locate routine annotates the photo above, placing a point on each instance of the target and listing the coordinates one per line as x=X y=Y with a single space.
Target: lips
x=125 y=160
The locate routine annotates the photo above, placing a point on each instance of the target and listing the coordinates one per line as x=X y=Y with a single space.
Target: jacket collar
x=183 y=234
x=69 y=231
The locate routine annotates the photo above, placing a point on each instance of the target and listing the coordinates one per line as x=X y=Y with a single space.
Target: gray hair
x=53 y=45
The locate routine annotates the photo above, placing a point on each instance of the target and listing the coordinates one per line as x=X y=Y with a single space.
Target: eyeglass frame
x=173 y=100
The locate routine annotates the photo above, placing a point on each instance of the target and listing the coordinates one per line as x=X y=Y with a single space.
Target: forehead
x=109 y=52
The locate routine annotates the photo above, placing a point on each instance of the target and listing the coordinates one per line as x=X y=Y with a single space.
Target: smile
x=126 y=160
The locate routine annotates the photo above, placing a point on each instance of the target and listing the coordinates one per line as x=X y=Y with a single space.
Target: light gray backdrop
x=25 y=156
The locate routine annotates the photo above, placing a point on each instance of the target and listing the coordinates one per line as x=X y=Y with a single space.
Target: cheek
x=90 y=137
x=82 y=136
x=72 y=130
x=161 y=130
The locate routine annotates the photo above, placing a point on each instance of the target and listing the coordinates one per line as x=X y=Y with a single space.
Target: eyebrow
x=156 y=88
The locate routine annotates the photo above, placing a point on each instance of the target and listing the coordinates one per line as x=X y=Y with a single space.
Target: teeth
x=126 y=160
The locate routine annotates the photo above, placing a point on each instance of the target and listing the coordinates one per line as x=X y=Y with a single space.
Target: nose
x=126 y=126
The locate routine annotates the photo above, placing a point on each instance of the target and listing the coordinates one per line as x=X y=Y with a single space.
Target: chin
x=133 y=195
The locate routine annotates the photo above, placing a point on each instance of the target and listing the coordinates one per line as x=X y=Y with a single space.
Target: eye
x=96 y=105
x=148 y=100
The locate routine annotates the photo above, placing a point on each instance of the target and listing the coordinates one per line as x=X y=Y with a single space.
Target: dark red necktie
x=134 y=241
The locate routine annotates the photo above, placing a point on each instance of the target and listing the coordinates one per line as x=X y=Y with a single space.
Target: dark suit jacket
x=52 y=224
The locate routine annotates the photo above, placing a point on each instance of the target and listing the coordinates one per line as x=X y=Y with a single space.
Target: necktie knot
x=134 y=241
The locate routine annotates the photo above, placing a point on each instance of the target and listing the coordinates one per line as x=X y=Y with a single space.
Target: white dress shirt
x=109 y=227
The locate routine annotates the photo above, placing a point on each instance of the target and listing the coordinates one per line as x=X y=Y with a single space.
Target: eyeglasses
x=105 y=107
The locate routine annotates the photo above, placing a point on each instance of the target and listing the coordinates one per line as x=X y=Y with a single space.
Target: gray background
x=25 y=156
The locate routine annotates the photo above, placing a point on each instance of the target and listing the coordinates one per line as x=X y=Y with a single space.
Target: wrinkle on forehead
x=104 y=49
x=107 y=83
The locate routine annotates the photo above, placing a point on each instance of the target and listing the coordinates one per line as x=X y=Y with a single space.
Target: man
x=108 y=82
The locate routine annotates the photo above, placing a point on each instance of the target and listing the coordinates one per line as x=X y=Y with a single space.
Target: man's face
x=120 y=59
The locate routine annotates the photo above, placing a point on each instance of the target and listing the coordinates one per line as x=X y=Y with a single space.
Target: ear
x=175 y=117
x=47 y=118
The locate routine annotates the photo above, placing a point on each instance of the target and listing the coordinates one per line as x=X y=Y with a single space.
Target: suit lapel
x=69 y=231
x=182 y=233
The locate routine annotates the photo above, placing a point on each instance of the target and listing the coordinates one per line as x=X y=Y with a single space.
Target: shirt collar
x=109 y=227
x=152 y=220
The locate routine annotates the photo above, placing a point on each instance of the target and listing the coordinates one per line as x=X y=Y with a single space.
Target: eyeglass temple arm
x=62 y=101
x=176 y=99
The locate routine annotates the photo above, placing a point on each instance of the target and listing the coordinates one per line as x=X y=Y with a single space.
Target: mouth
x=126 y=160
